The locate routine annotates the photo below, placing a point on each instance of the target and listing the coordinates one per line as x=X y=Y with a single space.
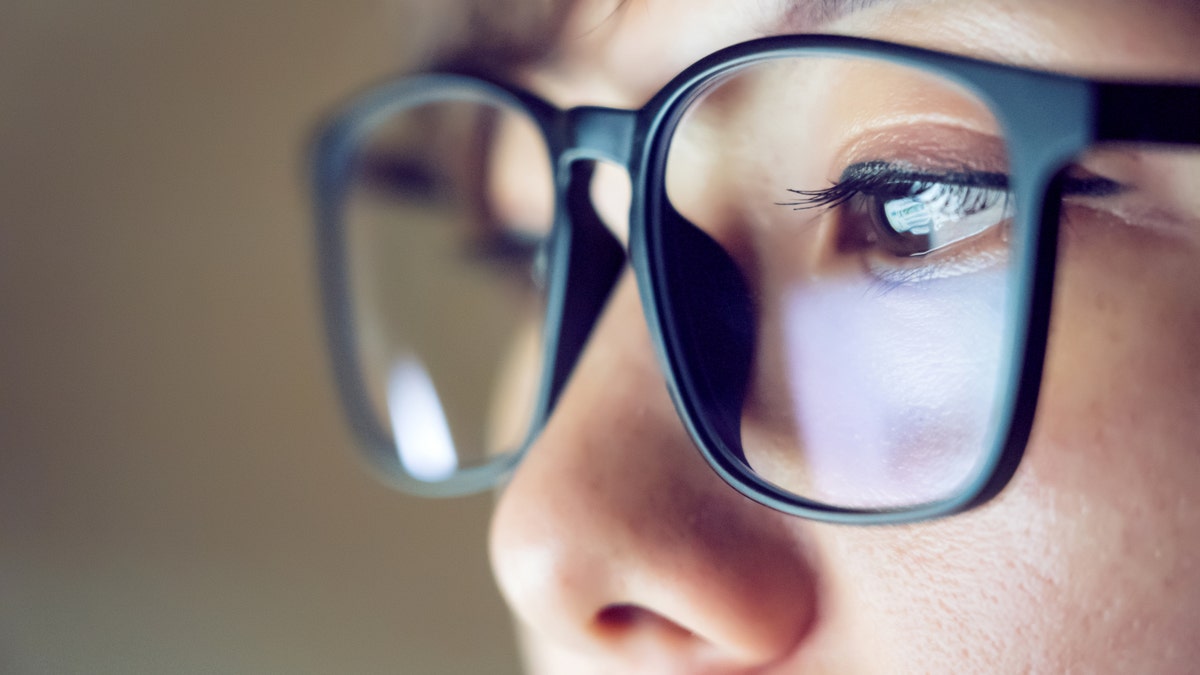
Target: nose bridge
x=603 y=134
x=615 y=537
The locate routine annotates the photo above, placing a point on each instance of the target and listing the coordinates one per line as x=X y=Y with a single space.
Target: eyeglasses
x=845 y=251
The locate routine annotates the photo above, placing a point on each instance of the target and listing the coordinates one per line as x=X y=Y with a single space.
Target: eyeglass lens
x=860 y=344
x=867 y=207
x=445 y=259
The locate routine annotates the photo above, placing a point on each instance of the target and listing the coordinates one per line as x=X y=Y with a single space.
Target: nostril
x=617 y=618
x=622 y=620
x=645 y=641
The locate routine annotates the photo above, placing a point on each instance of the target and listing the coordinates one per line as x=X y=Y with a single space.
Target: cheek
x=1117 y=433
x=1118 y=422
x=1123 y=371
x=1041 y=580
x=992 y=583
x=1090 y=560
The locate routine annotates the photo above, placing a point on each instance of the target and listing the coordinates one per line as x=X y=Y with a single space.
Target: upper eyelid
x=399 y=173
x=890 y=173
x=850 y=185
x=1076 y=182
x=886 y=173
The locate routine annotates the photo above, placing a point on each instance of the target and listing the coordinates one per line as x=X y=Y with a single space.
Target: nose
x=616 y=543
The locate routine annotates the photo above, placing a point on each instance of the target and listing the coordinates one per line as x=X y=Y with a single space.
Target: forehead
x=619 y=52
x=570 y=37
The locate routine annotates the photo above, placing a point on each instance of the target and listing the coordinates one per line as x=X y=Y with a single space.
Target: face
x=620 y=550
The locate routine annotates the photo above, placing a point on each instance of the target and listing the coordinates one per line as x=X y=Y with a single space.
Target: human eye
x=906 y=218
x=913 y=223
x=416 y=187
x=445 y=210
x=513 y=252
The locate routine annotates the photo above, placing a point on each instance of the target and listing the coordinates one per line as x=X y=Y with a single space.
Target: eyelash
x=883 y=180
x=498 y=246
x=903 y=213
x=886 y=180
x=512 y=253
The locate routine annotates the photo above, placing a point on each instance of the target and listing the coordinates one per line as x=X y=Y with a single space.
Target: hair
x=486 y=36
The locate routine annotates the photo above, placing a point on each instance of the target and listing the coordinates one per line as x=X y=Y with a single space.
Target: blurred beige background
x=178 y=491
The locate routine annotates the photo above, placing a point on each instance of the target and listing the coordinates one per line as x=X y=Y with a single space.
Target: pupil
x=909 y=215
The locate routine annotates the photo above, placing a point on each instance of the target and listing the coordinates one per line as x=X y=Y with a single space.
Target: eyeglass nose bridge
x=588 y=256
x=598 y=134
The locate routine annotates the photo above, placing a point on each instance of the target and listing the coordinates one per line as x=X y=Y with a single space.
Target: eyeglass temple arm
x=1154 y=113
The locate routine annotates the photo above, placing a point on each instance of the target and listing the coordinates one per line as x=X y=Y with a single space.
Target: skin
x=621 y=551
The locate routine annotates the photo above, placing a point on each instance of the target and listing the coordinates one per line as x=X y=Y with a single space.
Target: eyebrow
x=500 y=50
x=499 y=35
x=800 y=16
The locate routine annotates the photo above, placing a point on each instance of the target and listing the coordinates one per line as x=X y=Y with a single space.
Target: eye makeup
x=900 y=210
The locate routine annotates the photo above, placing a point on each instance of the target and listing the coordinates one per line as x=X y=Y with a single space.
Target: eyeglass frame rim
x=1048 y=118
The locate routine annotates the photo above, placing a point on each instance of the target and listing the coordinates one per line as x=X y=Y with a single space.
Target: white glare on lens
x=423 y=439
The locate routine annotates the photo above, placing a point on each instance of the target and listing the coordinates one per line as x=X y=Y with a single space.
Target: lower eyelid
x=958 y=265
x=1131 y=209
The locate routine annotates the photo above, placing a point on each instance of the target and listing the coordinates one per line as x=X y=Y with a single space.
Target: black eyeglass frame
x=1048 y=118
